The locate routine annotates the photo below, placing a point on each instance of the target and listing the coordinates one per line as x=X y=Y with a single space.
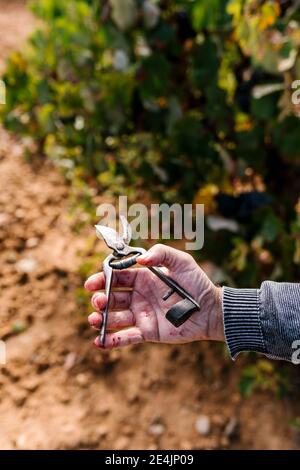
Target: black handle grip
x=180 y=312
x=124 y=263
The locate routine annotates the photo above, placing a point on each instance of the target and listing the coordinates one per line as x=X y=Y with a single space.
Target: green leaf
x=154 y=85
x=209 y=15
x=271 y=227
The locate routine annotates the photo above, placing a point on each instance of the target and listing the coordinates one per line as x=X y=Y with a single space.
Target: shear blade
x=126 y=230
x=109 y=235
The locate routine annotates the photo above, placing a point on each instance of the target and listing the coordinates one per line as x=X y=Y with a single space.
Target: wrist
x=220 y=333
x=215 y=321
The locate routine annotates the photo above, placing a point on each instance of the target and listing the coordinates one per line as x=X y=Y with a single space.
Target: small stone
x=94 y=437
x=203 y=425
x=20 y=213
x=82 y=380
x=218 y=420
x=4 y=219
x=224 y=442
x=26 y=265
x=21 y=441
x=102 y=430
x=19 y=397
x=11 y=257
x=156 y=429
x=132 y=395
x=31 y=384
x=231 y=427
x=103 y=409
x=64 y=398
x=32 y=242
x=70 y=361
x=127 y=430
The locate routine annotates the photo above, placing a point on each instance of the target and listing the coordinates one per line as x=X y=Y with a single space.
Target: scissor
x=125 y=256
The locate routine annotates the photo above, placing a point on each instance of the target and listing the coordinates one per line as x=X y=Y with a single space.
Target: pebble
x=132 y=395
x=19 y=397
x=32 y=242
x=203 y=426
x=224 y=442
x=31 y=384
x=102 y=431
x=21 y=441
x=82 y=379
x=128 y=430
x=231 y=427
x=64 y=398
x=26 y=265
x=103 y=409
x=4 y=218
x=156 y=429
x=70 y=360
x=20 y=213
x=11 y=257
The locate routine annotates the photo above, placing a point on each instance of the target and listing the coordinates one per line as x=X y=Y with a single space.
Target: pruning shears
x=125 y=256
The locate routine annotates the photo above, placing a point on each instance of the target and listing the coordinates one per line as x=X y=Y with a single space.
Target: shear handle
x=125 y=262
x=175 y=287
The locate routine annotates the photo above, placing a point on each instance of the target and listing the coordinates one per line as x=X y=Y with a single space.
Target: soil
x=57 y=390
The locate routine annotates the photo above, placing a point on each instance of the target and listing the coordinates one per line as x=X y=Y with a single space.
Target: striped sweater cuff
x=241 y=310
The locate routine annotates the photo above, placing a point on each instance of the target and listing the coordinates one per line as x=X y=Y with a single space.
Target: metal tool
x=125 y=256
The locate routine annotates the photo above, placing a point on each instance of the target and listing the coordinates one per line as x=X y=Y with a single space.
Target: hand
x=137 y=314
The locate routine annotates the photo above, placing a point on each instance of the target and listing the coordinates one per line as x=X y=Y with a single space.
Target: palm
x=149 y=308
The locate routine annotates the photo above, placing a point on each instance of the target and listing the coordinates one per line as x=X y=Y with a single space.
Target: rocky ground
x=56 y=390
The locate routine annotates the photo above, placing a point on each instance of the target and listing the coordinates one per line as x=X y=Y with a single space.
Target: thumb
x=163 y=255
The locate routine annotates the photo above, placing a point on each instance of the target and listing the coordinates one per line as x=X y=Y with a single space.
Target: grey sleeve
x=265 y=320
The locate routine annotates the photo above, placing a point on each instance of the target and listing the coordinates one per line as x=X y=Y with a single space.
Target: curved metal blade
x=126 y=230
x=110 y=236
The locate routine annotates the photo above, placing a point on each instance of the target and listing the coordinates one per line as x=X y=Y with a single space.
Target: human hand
x=137 y=314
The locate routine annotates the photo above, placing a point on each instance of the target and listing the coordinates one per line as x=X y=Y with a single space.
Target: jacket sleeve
x=265 y=320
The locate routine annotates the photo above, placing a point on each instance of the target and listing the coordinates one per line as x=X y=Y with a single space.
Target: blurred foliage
x=186 y=100
x=295 y=424
x=265 y=376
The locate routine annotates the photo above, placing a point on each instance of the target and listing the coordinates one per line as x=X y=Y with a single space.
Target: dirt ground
x=57 y=391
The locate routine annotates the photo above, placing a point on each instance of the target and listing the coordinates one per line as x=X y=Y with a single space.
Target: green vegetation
x=265 y=376
x=184 y=100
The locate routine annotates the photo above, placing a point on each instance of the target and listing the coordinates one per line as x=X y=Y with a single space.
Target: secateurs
x=124 y=256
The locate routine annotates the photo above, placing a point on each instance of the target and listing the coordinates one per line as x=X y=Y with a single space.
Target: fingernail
x=94 y=301
x=98 y=301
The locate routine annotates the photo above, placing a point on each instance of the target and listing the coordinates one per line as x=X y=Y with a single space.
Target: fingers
x=115 y=320
x=95 y=282
x=118 y=300
x=164 y=255
x=124 y=278
x=121 y=338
